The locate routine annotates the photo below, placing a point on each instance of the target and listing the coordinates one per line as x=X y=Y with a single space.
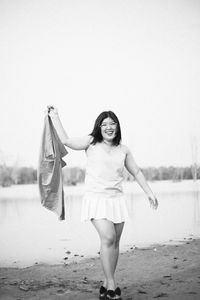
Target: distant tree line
x=20 y=175
x=75 y=175
x=170 y=173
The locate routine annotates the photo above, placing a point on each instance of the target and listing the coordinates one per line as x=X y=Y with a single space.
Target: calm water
x=31 y=234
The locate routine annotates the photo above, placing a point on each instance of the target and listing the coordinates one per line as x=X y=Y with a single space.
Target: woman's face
x=108 y=129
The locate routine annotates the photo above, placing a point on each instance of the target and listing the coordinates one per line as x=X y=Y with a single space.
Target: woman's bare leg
x=107 y=234
x=110 y=235
x=118 y=229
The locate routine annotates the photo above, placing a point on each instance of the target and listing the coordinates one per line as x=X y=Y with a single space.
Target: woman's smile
x=110 y=132
x=108 y=128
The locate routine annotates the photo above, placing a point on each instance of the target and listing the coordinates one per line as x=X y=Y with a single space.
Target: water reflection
x=30 y=233
x=196 y=197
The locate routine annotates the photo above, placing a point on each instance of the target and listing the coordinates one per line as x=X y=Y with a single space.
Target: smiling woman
x=104 y=201
x=107 y=129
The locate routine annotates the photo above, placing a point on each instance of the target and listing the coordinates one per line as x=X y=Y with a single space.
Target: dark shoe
x=118 y=294
x=110 y=294
x=102 y=292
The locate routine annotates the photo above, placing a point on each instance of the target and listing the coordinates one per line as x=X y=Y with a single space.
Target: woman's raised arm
x=76 y=143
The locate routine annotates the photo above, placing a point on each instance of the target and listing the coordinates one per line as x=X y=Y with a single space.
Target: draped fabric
x=50 y=166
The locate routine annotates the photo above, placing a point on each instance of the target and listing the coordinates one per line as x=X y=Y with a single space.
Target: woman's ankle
x=105 y=283
x=111 y=285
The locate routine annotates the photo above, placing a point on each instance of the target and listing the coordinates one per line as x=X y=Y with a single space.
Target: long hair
x=96 y=132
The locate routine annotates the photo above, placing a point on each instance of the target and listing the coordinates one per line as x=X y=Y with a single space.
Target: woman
x=103 y=202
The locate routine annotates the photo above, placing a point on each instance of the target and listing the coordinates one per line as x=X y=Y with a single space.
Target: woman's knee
x=109 y=239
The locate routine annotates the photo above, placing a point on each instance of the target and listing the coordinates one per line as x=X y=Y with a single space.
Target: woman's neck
x=109 y=143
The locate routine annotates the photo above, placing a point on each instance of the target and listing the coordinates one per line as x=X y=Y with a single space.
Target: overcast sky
x=140 y=59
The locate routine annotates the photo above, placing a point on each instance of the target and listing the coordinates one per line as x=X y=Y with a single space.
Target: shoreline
x=70 y=257
x=157 y=271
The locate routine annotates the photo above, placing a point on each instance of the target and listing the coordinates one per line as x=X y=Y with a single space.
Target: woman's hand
x=52 y=111
x=153 y=202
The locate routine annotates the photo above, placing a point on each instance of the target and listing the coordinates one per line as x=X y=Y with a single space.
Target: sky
x=140 y=59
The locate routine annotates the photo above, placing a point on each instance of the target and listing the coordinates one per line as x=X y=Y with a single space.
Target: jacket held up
x=50 y=179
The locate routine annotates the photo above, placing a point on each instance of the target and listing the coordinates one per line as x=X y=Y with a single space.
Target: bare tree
x=195 y=149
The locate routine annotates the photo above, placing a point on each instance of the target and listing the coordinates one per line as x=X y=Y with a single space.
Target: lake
x=31 y=234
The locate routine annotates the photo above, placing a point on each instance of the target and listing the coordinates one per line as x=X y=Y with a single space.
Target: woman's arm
x=81 y=143
x=134 y=170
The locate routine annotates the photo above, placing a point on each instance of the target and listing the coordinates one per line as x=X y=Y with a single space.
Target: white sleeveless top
x=104 y=171
x=103 y=196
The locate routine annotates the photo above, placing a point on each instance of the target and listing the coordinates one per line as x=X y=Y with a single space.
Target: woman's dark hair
x=96 y=132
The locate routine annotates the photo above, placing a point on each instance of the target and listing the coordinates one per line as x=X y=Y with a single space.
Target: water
x=29 y=233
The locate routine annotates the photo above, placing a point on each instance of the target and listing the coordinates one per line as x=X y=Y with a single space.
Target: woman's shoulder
x=90 y=139
x=124 y=148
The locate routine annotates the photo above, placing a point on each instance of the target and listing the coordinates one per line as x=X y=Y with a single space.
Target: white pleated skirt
x=104 y=206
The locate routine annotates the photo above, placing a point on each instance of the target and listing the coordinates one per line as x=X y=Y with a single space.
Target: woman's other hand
x=153 y=202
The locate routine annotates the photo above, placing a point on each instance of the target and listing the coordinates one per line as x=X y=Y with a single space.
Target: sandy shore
x=159 y=271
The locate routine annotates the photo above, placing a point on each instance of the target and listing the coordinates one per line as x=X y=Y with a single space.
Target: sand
x=159 y=271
